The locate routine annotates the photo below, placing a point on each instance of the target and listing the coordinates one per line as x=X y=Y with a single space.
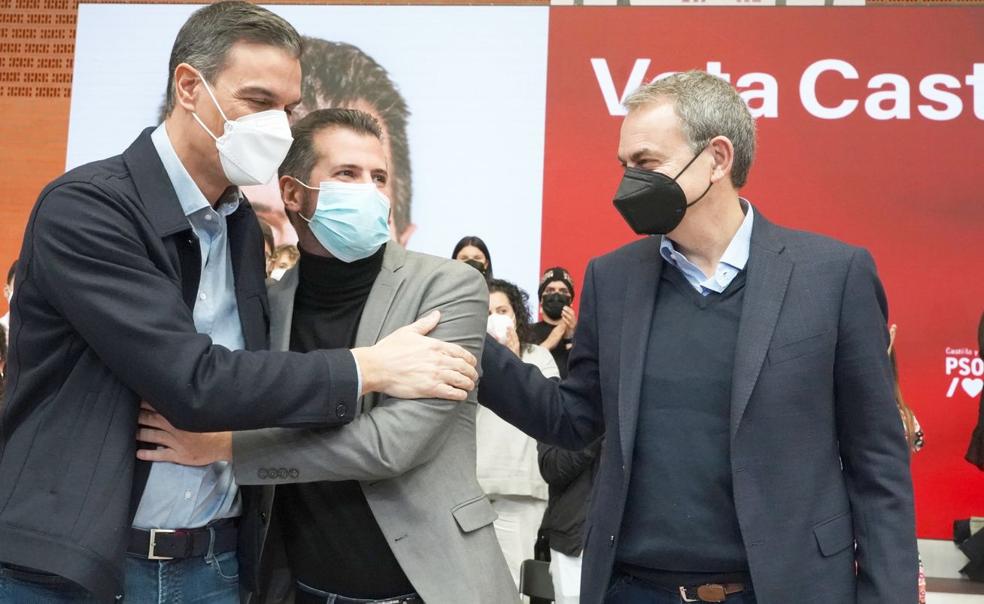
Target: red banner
x=875 y=140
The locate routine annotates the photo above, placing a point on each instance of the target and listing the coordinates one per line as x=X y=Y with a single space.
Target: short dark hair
x=11 y=272
x=206 y=37
x=472 y=240
x=519 y=300
x=338 y=74
x=303 y=154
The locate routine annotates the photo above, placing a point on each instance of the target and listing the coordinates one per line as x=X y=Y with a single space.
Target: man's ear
x=291 y=194
x=723 y=152
x=187 y=83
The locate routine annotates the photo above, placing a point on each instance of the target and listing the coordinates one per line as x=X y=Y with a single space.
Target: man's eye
x=379 y=179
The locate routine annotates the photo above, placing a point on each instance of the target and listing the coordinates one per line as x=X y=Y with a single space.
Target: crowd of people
x=230 y=381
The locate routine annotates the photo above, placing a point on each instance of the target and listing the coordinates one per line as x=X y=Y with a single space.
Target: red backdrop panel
x=907 y=189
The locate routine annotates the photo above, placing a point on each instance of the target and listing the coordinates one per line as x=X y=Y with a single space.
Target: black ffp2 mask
x=652 y=203
x=553 y=305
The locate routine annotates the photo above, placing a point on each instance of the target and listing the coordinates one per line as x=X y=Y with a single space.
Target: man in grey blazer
x=388 y=508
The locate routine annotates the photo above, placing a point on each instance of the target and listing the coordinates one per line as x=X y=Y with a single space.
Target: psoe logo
x=965 y=370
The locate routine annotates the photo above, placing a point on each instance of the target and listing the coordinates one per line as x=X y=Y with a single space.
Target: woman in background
x=507 y=461
x=472 y=250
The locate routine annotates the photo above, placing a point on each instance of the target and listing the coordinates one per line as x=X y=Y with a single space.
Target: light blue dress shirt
x=182 y=496
x=732 y=262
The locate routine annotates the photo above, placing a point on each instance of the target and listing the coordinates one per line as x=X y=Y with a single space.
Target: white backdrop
x=473 y=77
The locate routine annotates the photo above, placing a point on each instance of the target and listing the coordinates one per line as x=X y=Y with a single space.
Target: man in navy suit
x=753 y=451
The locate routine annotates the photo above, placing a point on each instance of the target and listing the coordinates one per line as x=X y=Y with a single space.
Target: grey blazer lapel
x=767 y=277
x=281 y=294
x=382 y=295
x=637 y=317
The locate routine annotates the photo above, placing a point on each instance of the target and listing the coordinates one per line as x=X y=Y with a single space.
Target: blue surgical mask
x=351 y=220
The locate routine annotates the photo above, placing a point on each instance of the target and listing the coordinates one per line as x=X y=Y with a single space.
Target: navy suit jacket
x=102 y=318
x=818 y=455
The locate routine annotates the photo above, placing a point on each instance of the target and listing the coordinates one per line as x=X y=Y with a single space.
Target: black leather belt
x=168 y=544
x=309 y=595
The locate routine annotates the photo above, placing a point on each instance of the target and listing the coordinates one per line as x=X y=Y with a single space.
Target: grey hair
x=707 y=107
x=303 y=153
x=206 y=37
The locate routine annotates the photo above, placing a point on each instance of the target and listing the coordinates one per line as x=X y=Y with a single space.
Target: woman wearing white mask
x=507 y=460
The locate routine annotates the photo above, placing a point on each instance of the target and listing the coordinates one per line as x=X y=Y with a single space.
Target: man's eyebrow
x=256 y=91
x=640 y=154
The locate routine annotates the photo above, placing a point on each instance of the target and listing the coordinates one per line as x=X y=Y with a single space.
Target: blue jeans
x=630 y=590
x=213 y=579
x=22 y=587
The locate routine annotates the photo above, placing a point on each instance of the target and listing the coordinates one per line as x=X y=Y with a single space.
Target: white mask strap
x=208 y=89
x=303 y=184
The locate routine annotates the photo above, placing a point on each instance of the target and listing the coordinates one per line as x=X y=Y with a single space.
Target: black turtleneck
x=333 y=542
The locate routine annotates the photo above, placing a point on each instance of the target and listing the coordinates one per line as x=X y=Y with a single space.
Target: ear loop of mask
x=194 y=114
x=685 y=169
x=307 y=186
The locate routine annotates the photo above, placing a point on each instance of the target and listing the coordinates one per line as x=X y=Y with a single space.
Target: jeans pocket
x=225 y=565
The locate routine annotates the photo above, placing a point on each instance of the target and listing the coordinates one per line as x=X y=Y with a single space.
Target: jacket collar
x=153 y=186
x=381 y=298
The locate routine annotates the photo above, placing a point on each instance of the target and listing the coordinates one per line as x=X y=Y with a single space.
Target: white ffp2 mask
x=251 y=147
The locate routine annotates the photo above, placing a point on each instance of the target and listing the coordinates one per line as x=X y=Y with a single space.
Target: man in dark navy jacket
x=142 y=278
x=753 y=451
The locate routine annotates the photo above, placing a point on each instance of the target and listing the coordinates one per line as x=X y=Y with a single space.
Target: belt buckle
x=685 y=597
x=151 y=554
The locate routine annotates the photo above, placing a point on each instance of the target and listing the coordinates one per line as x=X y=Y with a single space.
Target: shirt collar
x=735 y=255
x=189 y=195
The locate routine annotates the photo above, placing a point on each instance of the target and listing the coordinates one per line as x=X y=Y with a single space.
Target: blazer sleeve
x=90 y=261
x=560 y=467
x=873 y=448
x=396 y=435
x=567 y=413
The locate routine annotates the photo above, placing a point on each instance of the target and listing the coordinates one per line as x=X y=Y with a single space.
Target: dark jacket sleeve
x=91 y=262
x=873 y=448
x=568 y=413
x=559 y=466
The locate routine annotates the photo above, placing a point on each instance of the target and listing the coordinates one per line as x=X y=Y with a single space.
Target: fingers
x=455 y=351
x=461 y=367
x=162 y=454
x=450 y=393
x=154 y=420
x=146 y=405
x=427 y=323
x=456 y=380
x=155 y=437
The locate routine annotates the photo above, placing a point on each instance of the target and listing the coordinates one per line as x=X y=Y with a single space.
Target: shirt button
x=208 y=217
x=202 y=296
x=187 y=494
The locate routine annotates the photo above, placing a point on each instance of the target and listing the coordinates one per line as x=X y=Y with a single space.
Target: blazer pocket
x=474 y=514
x=835 y=535
x=798 y=348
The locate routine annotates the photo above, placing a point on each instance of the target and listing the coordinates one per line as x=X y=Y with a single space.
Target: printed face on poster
x=473 y=159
